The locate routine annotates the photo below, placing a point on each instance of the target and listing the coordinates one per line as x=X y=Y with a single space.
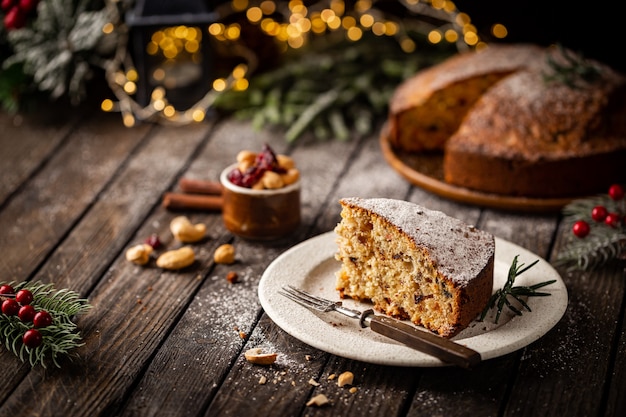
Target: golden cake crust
x=414 y=263
x=518 y=134
x=428 y=107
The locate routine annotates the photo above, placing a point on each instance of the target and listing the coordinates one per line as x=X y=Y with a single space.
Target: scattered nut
x=255 y=356
x=353 y=390
x=224 y=254
x=139 y=254
x=314 y=382
x=319 y=400
x=186 y=232
x=345 y=378
x=262 y=380
x=232 y=277
x=176 y=259
x=331 y=377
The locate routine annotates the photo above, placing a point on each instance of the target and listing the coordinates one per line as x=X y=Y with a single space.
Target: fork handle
x=437 y=346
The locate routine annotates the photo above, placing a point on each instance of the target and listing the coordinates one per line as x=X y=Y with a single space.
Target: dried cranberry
x=252 y=175
x=236 y=177
x=154 y=241
x=266 y=159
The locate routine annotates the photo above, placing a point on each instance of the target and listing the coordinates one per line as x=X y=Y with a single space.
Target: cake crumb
x=262 y=380
x=331 y=377
x=314 y=382
x=353 y=390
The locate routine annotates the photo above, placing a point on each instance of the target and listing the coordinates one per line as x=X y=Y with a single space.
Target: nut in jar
x=261 y=194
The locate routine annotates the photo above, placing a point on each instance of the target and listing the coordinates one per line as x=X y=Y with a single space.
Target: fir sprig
x=59 y=338
x=603 y=244
x=500 y=298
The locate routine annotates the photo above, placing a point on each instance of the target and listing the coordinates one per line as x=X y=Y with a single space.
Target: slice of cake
x=414 y=263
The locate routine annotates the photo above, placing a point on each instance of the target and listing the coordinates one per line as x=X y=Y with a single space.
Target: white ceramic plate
x=311 y=266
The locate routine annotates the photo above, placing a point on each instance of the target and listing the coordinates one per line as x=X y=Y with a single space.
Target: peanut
x=246 y=156
x=139 y=254
x=186 y=232
x=224 y=254
x=319 y=400
x=255 y=356
x=345 y=378
x=292 y=175
x=272 y=180
x=285 y=161
x=176 y=259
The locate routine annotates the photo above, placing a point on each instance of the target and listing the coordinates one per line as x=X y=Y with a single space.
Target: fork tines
x=306 y=299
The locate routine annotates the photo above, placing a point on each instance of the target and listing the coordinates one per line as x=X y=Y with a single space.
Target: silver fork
x=424 y=341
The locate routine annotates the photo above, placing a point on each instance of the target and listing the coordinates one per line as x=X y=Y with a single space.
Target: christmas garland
x=36 y=321
x=54 y=47
x=598 y=226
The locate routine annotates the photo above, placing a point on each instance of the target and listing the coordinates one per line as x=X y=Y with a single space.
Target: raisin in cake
x=515 y=120
x=414 y=263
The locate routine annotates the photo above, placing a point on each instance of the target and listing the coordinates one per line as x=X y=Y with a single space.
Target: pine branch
x=603 y=244
x=59 y=338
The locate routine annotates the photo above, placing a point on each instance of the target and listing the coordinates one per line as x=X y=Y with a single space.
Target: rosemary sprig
x=501 y=297
x=573 y=71
x=59 y=338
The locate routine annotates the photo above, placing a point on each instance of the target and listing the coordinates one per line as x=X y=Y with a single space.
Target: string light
x=291 y=24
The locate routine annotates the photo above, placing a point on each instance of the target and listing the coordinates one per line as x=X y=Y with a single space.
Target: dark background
x=593 y=28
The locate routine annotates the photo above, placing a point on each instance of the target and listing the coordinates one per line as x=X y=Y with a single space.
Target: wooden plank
x=82 y=259
x=579 y=349
x=26 y=142
x=44 y=210
x=234 y=306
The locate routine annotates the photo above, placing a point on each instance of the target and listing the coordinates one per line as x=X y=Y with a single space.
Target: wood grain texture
x=75 y=193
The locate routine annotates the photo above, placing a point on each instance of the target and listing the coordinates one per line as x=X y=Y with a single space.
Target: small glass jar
x=260 y=214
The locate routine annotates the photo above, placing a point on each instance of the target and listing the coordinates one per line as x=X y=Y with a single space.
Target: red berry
x=612 y=219
x=24 y=297
x=14 y=19
x=616 y=192
x=154 y=241
x=10 y=307
x=26 y=313
x=28 y=5
x=6 y=5
x=581 y=228
x=32 y=338
x=6 y=289
x=599 y=213
x=42 y=319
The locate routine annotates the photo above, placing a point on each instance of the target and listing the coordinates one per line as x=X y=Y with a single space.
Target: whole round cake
x=414 y=263
x=517 y=120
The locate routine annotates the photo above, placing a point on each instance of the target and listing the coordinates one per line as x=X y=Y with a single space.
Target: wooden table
x=78 y=188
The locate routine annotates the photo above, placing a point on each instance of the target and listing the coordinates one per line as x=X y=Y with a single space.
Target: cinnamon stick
x=178 y=201
x=194 y=186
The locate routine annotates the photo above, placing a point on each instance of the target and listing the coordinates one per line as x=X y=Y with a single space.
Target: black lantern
x=171 y=49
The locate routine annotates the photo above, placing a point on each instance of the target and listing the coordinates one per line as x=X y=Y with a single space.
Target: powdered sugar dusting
x=460 y=251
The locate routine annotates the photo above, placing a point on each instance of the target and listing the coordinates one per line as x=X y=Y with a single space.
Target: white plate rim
x=311 y=265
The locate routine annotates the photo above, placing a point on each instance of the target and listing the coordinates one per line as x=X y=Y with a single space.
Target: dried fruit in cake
x=414 y=263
